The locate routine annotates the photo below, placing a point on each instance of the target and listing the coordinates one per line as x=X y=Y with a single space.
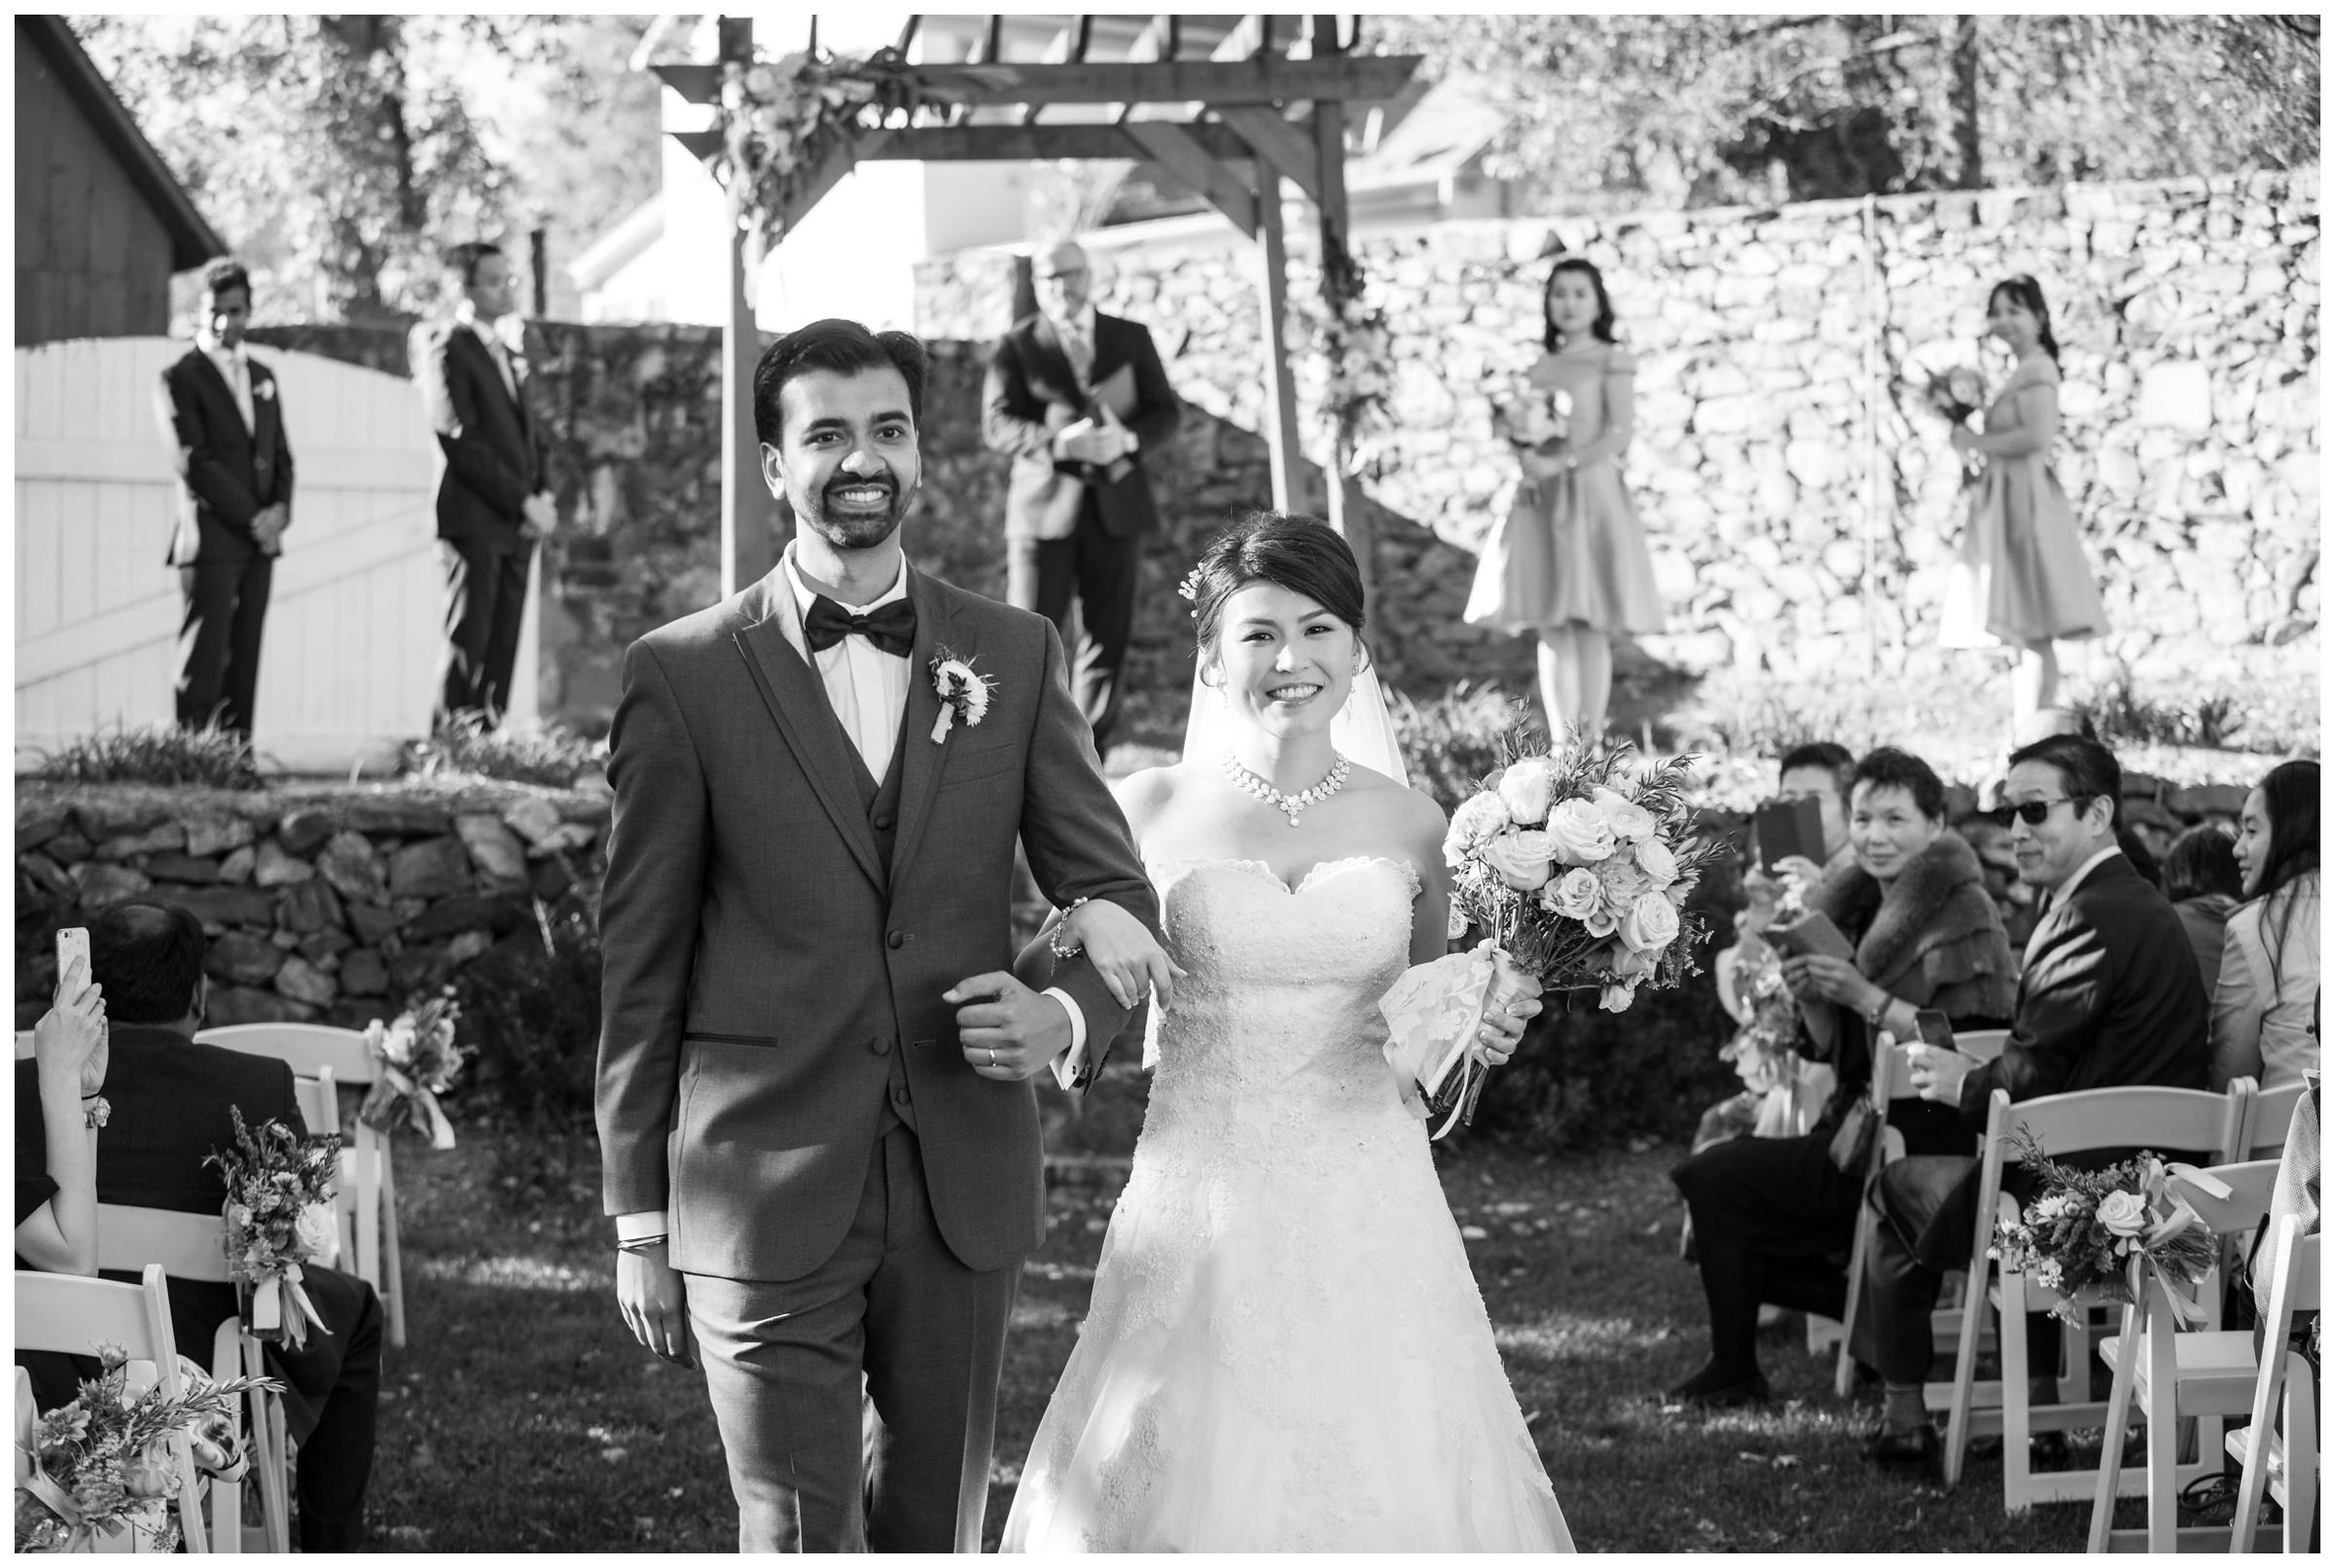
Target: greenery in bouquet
x=1577 y=863
x=1765 y=1052
x=279 y=1215
x=417 y=1058
x=104 y=1460
x=2085 y=1229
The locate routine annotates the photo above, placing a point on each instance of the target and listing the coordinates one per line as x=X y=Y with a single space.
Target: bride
x=1284 y=1349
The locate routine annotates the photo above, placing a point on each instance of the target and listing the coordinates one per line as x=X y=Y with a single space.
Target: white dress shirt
x=868 y=689
x=496 y=349
x=1077 y=334
x=237 y=372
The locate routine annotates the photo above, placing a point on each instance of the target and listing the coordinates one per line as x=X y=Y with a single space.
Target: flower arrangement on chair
x=103 y=1461
x=2086 y=1235
x=1573 y=865
x=419 y=1059
x=279 y=1216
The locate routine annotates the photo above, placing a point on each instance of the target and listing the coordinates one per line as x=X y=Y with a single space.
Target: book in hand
x=1787 y=827
x=1813 y=934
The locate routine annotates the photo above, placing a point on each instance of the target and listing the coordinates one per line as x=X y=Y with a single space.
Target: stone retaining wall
x=1780 y=436
x=334 y=905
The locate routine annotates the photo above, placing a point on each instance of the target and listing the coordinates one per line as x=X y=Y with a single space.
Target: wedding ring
x=993 y=1056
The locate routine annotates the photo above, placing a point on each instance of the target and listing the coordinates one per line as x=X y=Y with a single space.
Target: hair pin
x=1188 y=588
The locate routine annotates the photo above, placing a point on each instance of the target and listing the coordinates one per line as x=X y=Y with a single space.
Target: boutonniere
x=265 y=391
x=963 y=693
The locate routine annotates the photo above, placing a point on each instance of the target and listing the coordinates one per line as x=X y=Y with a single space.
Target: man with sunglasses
x=2109 y=997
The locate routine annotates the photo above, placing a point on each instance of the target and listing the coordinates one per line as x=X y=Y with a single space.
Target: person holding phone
x=56 y=1207
x=1774 y=1217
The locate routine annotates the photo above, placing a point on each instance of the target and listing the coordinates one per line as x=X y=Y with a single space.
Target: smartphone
x=1934 y=1028
x=1787 y=827
x=72 y=941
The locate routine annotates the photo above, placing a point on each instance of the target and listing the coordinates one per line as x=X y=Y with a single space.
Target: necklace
x=1289 y=806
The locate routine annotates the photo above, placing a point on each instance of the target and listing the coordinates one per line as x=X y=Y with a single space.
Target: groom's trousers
x=785 y=1361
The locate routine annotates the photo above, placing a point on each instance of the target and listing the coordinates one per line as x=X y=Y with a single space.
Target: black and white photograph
x=1168 y=783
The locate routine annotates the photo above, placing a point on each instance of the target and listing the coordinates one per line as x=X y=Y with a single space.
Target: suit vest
x=881 y=804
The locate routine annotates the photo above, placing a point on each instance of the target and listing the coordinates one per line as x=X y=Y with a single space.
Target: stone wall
x=1780 y=436
x=330 y=904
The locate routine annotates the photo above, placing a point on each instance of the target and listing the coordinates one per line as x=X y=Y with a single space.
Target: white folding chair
x=193 y=1247
x=368 y=1178
x=23 y=1045
x=2279 y=1446
x=2269 y=1113
x=75 y=1314
x=2170 y=1121
x=1893 y=1079
x=2178 y=1378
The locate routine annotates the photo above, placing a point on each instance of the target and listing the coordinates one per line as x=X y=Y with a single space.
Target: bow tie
x=892 y=628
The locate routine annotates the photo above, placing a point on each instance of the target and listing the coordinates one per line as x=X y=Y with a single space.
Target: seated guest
x=2109 y=996
x=2201 y=878
x=1774 y=1218
x=2266 y=999
x=1984 y=832
x=56 y=1206
x=1818 y=772
x=171 y=1100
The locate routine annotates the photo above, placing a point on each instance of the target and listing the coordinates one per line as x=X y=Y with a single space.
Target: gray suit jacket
x=761 y=968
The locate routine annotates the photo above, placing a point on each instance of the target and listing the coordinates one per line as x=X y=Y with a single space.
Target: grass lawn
x=523 y=1418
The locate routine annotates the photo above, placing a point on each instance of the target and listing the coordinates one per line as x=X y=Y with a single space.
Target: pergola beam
x=965 y=144
x=1281 y=144
x=1262 y=80
x=1174 y=148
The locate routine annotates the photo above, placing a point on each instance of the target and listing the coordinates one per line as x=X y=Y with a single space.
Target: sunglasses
x=2032 y=812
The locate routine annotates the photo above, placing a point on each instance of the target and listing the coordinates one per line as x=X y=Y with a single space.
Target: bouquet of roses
x=106 y=1460
x=1764 y=1051
x=1955 y=395
x=1535 y=415
x=1573 y=865
x=279 y=1215
x=2088 y=1229
x=417 y=1059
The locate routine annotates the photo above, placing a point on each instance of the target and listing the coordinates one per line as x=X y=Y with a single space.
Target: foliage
x=341 y=155
x=551 y=755
x=2121 y=713
x=2085 y=1230
x=279 y=1214
x=1453 y=743
x=102 y=1460
x=532 y=1007
x=1343 y=336
x=1693 y=110
x=156 y=754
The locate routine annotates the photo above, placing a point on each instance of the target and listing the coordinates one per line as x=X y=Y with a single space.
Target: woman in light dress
x=1284 y=1349
x=1570 y=564
x=2022 y=577
x=2266 y=995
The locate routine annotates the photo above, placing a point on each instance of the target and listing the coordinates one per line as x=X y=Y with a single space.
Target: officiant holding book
x=1077 y=399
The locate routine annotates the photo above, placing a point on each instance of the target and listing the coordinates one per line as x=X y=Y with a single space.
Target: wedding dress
x=1285 y=1349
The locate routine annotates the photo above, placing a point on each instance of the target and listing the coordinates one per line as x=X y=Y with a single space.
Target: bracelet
x=642 y=1243
x=1880 y=1010
x=1054 y=943
x=99 y=1114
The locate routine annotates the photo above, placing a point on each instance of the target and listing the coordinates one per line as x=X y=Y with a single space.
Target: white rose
x=1576 y=894
x=1650 y=924
x=1580 y=833
x=1655 y=859
x=1628 y=819
x=1527 y=787
x=1601 y=921
x=2123 y=1214
x=1617 y=998
x=1522 y=858
x=1622 y=883
x=1472 y=825
x=319 y=1231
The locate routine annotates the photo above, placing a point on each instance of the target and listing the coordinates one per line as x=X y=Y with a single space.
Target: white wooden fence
x=355 y=621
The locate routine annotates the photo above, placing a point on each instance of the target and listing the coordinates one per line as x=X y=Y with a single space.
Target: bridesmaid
x=1570 y=564
x=2022 y=577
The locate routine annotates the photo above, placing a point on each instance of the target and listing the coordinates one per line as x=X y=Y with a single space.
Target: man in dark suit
x=2109 y=997
x=1075 y=398
x=225 y=427
x=820 y=1141
x=170 y=1100
x=492 y=504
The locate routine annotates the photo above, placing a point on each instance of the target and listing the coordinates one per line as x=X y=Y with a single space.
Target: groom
x=820 y=1141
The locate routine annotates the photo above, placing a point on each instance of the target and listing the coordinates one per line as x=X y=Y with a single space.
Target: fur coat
x=1934 y=938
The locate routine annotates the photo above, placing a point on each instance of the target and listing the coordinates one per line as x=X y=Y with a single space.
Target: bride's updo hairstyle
x=1303 y=554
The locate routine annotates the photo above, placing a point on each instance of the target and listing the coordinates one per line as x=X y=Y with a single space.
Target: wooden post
x=1272 y=297
x=1348 y=512
x=742 y=490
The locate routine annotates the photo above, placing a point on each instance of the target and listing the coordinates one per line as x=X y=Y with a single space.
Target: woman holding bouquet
x=2022 y=577
x=1285 y=1349
x=1774 y=1217
x=1570 y=564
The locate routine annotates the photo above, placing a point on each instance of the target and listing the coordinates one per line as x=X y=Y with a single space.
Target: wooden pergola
x=1264 y=101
